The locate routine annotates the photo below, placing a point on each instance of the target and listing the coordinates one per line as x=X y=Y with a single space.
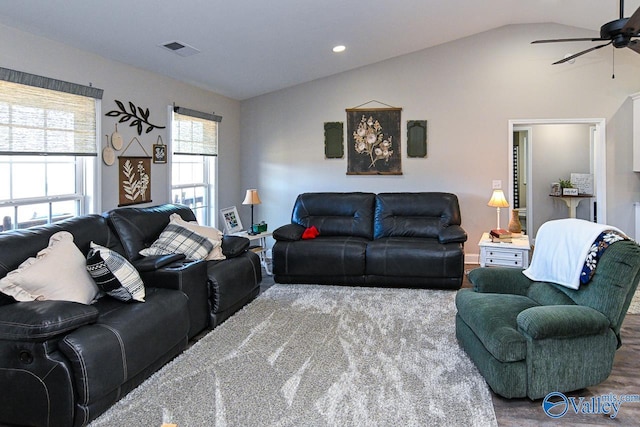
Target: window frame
x=87 y=172
x=210 y=175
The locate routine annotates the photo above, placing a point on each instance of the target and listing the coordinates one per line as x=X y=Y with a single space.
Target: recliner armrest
x=452 y=234
x=500 y=280
x=154 y=262
x=561 y=321
x=289 y=232
x=41 y=320
x=232 y=246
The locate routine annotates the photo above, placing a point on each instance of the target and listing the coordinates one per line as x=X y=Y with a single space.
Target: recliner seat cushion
x=413 y=257
x=125 y=340
x=338 y=256
x=497 y=329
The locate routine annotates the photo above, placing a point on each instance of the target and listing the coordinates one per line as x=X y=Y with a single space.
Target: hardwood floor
x=624 y=380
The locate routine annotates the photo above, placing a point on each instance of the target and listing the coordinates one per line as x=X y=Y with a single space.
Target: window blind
x=40 y=116
x=195 y=132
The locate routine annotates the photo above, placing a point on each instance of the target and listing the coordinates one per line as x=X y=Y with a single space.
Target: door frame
x=599 y=158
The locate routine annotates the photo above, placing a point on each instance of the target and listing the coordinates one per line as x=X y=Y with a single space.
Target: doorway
x=528 y=192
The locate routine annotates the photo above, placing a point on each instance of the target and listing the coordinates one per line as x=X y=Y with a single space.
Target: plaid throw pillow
x=114 y=275
x=175 y=239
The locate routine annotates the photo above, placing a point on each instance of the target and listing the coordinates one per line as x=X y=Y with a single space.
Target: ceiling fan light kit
x=620 y=33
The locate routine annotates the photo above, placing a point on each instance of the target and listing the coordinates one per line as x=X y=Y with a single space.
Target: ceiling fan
x=620 y=33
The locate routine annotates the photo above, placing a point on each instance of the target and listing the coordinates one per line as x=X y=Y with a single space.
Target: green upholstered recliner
x=530 y=338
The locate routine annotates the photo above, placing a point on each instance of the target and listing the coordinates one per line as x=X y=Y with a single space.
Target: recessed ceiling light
x=339 y=48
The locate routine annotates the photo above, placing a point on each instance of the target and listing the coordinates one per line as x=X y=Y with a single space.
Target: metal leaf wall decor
x=136 y=114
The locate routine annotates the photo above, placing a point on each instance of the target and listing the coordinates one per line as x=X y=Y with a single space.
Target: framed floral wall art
x=373 y=141
x=134 y=177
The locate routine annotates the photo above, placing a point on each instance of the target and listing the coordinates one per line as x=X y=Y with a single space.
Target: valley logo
x=556 y=404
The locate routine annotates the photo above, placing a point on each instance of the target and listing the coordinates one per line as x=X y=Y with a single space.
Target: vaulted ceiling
x=251 y=47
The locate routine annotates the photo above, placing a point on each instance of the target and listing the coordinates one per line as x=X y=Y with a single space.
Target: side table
x=514 y=254
x=259 y=247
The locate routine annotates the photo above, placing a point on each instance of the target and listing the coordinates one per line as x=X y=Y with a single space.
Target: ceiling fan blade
x=586 y=39
x=632 y=27
x=569 y=58
x=634 y=46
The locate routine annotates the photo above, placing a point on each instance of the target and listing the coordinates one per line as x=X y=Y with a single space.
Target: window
x=48 y=149
x=194 y=142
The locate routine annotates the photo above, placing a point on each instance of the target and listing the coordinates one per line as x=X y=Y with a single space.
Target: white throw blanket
x=561 y=249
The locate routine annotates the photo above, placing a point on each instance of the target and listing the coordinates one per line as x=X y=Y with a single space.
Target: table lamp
x=498 y=201
x=251 y=198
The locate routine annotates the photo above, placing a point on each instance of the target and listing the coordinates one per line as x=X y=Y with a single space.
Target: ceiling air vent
x=180 y=48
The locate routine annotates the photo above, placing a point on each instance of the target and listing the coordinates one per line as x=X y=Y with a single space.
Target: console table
x=572 y=202
x=514 y=254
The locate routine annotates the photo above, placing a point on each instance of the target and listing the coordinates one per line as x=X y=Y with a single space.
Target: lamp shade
x=498 y=200
x=251 y=198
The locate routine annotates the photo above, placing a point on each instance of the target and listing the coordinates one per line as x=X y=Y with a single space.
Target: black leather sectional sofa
x=387 y=239
x=64 y=363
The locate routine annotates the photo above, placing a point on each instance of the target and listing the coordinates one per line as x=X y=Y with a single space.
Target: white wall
x=467 y=90
x=33 y=54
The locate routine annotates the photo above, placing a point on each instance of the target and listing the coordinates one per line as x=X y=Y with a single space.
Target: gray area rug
x=307 y=355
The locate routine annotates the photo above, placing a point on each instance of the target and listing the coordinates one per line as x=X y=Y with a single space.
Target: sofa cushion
x=336 y=214
x=414 y=214
x=57 y=272
x=493 y=319
x=175 y=239
x=414 y=257
x=337 y=256
x=28 y=242
x=138 y=228
x=114 y=275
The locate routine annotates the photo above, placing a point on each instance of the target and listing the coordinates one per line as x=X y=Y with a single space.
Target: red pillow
x=310 y=233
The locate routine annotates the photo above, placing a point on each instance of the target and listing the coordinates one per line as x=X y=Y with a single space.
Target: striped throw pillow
x=114 y=275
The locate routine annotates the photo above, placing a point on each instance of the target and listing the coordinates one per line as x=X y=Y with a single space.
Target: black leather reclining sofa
x=64 y=363
x=388 y=239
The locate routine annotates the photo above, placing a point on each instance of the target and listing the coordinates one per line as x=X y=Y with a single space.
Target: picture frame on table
x=232 y=223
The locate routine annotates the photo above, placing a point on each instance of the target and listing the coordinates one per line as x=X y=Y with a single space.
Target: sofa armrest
x=41 y=320
x=561 y=321
x=154 y=262
x=289 y=232
x=499 y=280
x=232 y=246
x=190 y=277
x=452 y=234
x=176 y=275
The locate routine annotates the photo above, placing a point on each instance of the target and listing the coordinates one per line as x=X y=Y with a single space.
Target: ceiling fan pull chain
x=613 y=64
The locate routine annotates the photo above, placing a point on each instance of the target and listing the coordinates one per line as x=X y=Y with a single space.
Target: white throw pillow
x=114 y=274
x=58 y=272
x=213 y=234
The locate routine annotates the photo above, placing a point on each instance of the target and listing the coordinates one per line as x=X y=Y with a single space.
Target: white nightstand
x=514 y=254
x=260 y=248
